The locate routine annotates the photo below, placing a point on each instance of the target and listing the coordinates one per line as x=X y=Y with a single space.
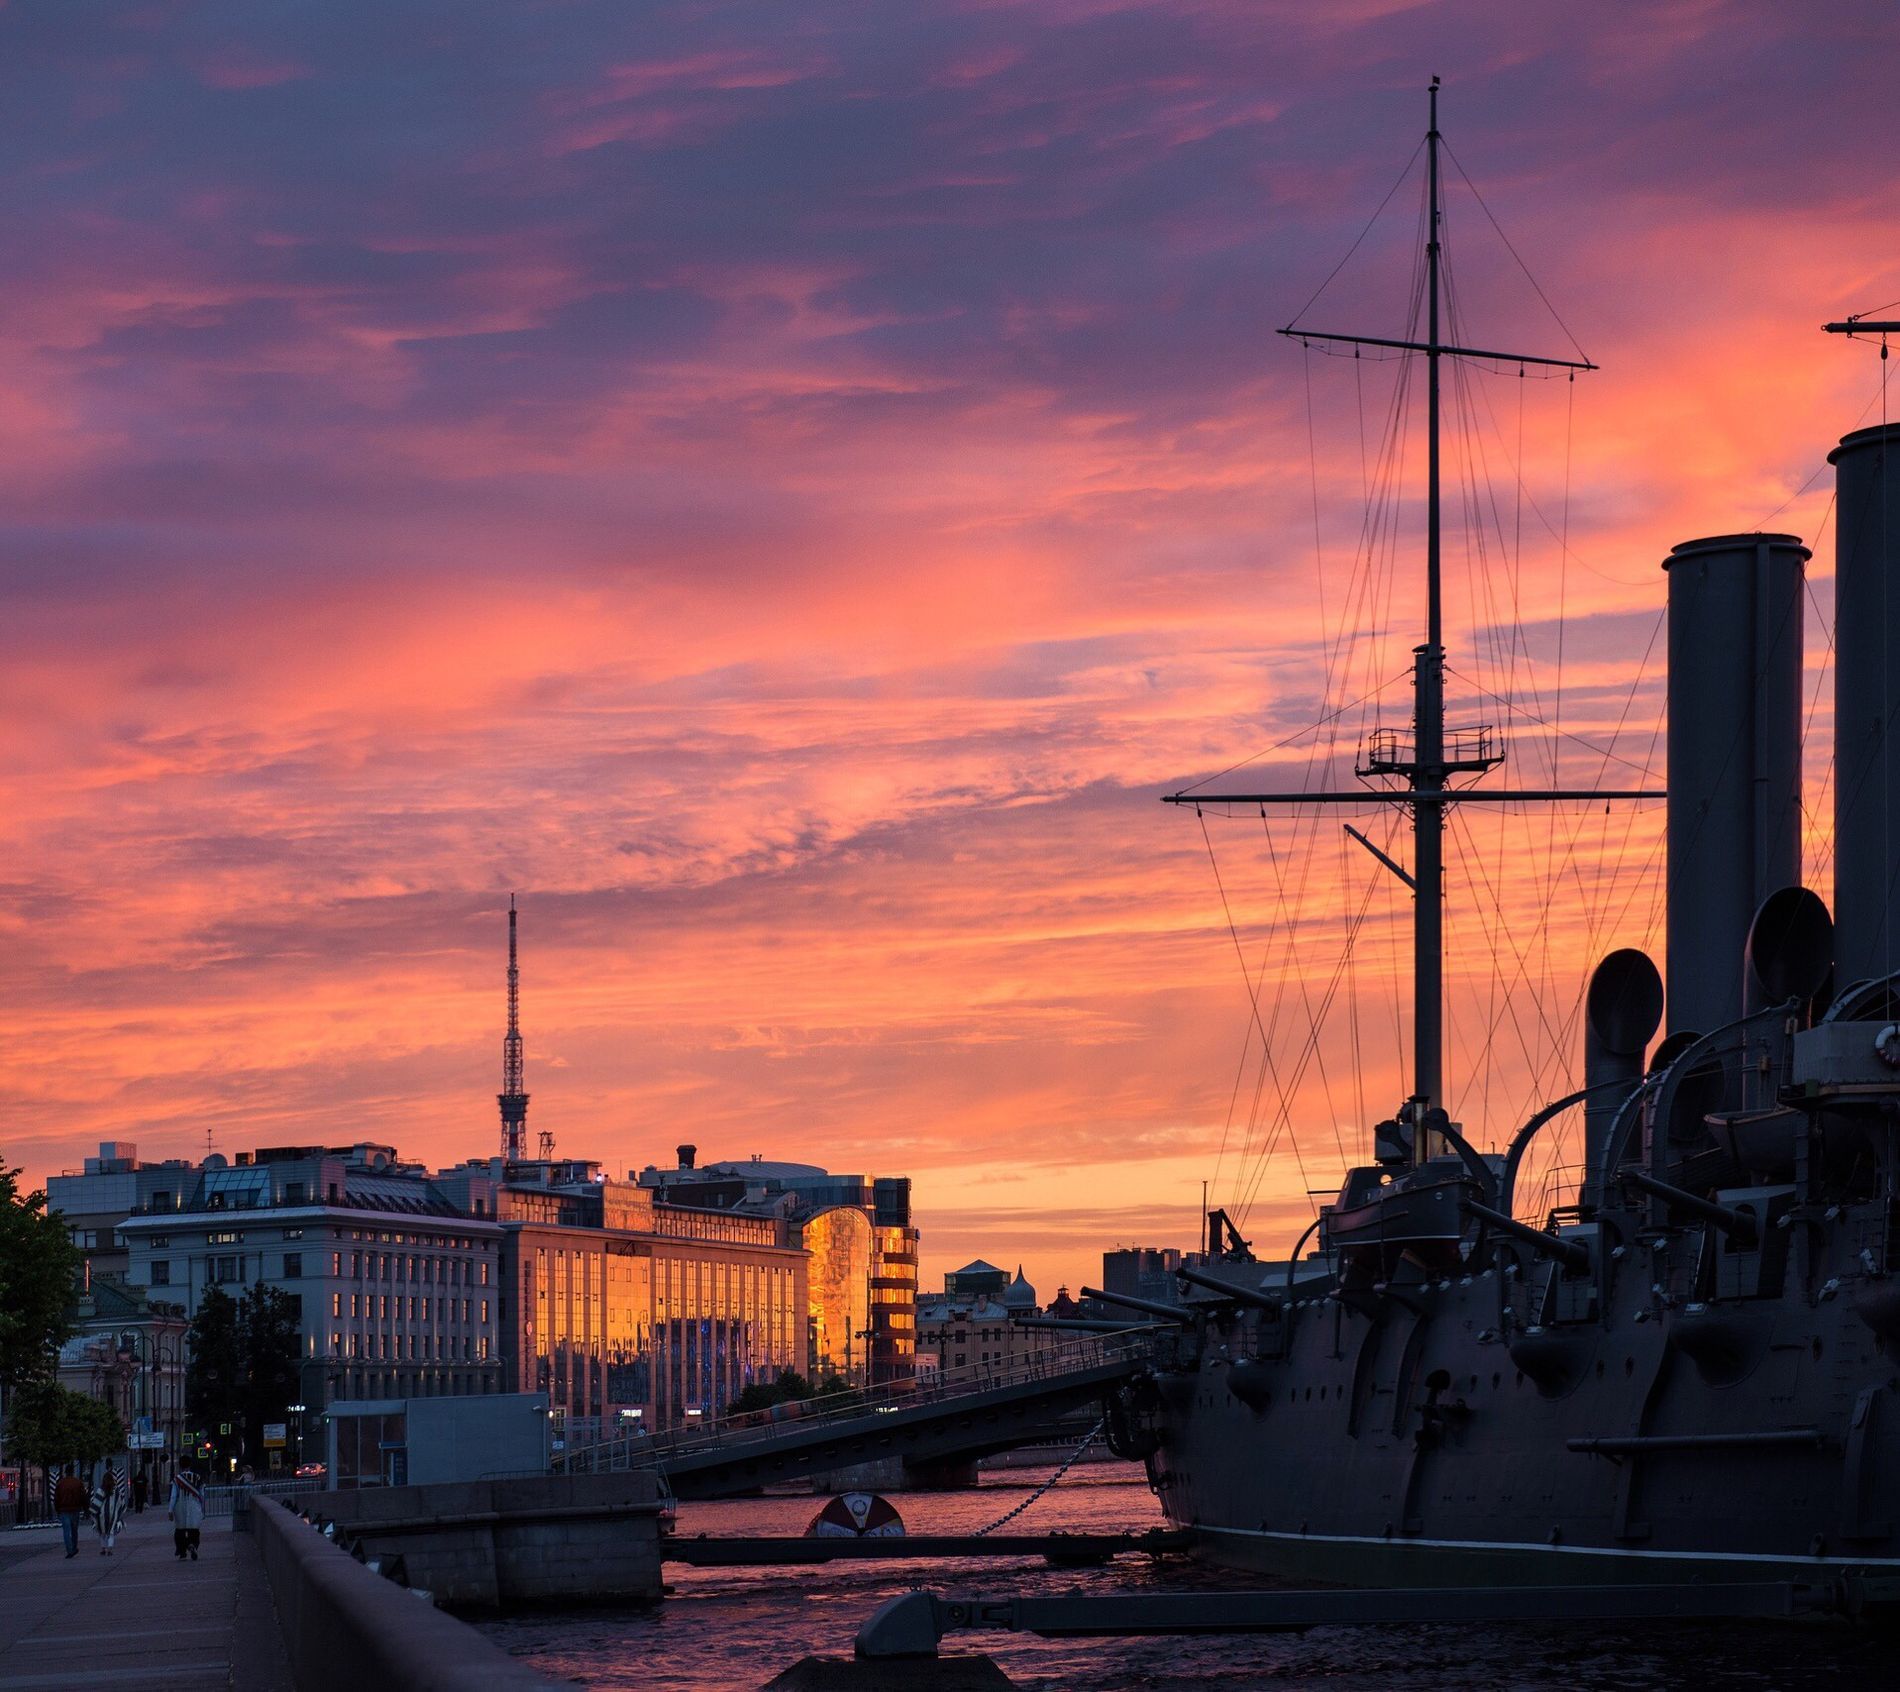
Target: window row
x=374 y=1307
x=397 y=1348
x=401 y=1266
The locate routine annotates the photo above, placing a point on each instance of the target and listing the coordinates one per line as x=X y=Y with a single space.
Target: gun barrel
x=1245 y=1295
x=1083 y=1324
x=1572 y=1254
x=1167 y=1312
x=1738 y=1225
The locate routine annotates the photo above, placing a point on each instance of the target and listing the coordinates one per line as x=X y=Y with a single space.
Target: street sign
x=145 y=1441
x=224 y=1427
x=273 y=1434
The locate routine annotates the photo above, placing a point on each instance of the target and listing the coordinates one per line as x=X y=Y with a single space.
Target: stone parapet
x=343 y=1625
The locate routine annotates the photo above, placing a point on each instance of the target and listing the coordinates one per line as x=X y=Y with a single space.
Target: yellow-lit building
x=862 y=1287
x=628 y=1319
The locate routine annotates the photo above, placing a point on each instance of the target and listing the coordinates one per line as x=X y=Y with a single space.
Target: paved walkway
x=139 y=1618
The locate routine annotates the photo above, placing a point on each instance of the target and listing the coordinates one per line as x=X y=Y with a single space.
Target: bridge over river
x=958 y=1419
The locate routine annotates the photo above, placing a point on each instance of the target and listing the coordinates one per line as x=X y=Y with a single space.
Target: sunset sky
x=784 y=489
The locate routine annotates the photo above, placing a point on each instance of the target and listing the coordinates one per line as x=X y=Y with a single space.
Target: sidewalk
x=140 y=1618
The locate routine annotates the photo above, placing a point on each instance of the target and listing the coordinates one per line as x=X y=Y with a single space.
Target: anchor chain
x=1074 y=1457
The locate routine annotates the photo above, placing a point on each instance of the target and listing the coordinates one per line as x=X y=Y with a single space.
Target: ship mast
x=1430 y=762
x=1428 y=710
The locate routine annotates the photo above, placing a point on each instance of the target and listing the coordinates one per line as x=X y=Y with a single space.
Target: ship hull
x=1409 y=1444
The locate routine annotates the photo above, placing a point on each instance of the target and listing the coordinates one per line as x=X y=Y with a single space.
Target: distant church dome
x=1019 y=1294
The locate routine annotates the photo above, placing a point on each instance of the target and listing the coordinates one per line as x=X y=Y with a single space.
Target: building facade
x=94 y=1200
x=861 y=1317
x=630 y=1304
x=128 y=1350
x=625 y=1332
x=397 y=1291
x=964 y=1335
x=1149 y=1272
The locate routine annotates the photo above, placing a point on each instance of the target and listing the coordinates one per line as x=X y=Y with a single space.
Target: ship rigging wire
x=1589 y=856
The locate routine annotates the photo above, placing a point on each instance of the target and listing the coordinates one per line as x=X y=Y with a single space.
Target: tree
x=762 y=1395
x=214 y=1374
x=50 y=1425
x=38 y=1269
x=271 y=1323
x=243 y=1369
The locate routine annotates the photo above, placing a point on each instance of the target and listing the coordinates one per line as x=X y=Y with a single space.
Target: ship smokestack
x=1734 y=817
x=1620 y=1014
x=1866 y=700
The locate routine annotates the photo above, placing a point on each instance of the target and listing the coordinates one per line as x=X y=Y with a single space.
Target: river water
x=731 y=1630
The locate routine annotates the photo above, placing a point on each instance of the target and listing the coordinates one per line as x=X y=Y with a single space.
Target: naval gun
x=1572 y=1254
x=1240 y=1295
x=1738 y=1225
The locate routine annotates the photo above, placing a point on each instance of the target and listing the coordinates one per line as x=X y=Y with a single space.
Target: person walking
x=187 y=1511
x=141 y=1490
x=108 y=1505
x=70 y=1498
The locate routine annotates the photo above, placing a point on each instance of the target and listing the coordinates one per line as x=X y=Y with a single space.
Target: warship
x=1690 y=1371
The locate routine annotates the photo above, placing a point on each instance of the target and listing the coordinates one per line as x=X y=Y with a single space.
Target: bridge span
x=961 y=1418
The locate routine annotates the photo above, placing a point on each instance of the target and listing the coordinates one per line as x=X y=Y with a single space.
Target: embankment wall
x=499 y=1544
x=346 y=1626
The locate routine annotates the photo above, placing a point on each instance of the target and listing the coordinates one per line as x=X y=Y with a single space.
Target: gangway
x=963 y=1416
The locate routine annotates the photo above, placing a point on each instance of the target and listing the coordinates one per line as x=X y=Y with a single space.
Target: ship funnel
x=1620 y=1014
x=1734 y=817
x=1790 y=950
x=1866 y=700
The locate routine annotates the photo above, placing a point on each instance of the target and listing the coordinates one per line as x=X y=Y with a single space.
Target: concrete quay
x=502 y=1544
x=138 y=1618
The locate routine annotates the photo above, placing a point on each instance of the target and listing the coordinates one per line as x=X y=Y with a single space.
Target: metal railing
x=1044 y=1364
x=227 y=1500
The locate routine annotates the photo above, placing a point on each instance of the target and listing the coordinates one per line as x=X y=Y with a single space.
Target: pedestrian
x=108 y=1505
x=70 y=1497
x=187 y=1511
x=141 y=1490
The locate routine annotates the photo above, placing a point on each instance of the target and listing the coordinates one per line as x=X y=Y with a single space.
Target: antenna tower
x=514 y=1102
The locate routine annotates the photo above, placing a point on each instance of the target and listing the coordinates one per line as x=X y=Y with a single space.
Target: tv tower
x=514 y=1102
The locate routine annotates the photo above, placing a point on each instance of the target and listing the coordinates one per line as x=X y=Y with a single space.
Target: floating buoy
x=856 y=1515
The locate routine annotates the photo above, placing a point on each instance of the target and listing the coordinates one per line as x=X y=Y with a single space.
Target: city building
x=1149 y=1272
x=397 y=1288
x=643 y=1303
x=974 y=1326
x=112 y=1186
x=630 y=1314
x=538 y=1276
x=862 y=1282
x=128 y=1350
x=430 y=1441
x=976 y=1280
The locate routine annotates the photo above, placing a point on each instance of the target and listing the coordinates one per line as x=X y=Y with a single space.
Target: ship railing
x=1051 y=1362
x=1557 y=1193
